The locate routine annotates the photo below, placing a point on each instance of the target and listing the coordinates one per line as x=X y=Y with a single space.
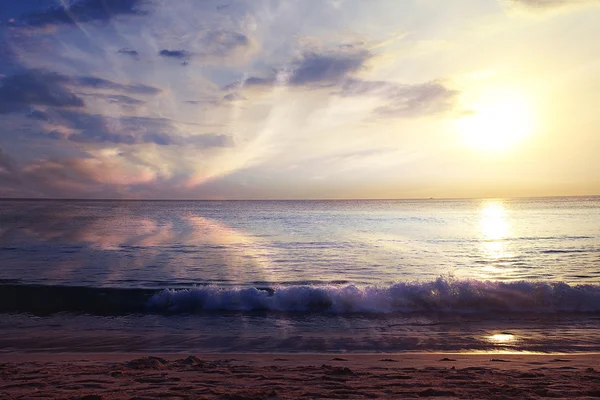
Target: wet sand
x=291 y=376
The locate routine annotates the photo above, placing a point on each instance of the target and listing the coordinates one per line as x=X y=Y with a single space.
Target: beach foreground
x=283 y=376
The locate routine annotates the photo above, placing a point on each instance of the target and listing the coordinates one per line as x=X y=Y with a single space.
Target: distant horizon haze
x=541 y=197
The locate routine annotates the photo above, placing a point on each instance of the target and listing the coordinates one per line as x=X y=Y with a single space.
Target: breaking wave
x=439 y=296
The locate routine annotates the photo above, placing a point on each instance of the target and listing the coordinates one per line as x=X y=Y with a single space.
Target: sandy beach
x=290 y=376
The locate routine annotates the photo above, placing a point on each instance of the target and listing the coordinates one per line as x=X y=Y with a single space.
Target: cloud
x=195 y=102
x=94 y=128
x=338 y=69
x=9 y=175
x=224 y=101
x=42 y=88
x=221 y=43
x=209 y=140
x=84 y=11
x=537 y=6
x=327 y=68
x=89 y=128
x=100 y=83
x=178 y=54
x=82 y=127
x=404 y=100
x=34 y=87
x=6 y=163
x=99 y=113
x=210 y=44
x=233 y=97
x=38 y=115
x=42 y=177
x=117 y=99
x=129 y=52
x=314 y=69
x=93 y=176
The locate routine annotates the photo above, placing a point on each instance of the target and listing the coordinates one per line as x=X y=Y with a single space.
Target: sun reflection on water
x=495 y=228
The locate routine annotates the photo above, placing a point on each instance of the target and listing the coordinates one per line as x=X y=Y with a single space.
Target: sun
x=498 y=121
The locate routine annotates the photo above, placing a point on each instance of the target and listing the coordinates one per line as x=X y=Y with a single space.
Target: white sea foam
x=441 y=295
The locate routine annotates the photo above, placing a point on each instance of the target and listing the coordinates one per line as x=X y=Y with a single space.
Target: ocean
x=492 y=275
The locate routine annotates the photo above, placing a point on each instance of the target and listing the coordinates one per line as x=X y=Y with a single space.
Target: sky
x=299 y=99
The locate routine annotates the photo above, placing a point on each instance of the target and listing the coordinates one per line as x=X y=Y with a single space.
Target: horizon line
x=324 y=199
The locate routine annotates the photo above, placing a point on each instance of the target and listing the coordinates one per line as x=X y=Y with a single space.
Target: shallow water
x=520 y=274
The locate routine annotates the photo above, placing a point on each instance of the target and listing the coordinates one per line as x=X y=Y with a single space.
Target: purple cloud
x=18 y=92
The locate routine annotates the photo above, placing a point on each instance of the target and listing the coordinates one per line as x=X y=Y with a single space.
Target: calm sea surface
x=355 y=276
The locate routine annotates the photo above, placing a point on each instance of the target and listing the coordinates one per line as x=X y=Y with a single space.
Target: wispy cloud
x=541 y=6
x=83 y=127
x=117 y=99
x=210 y=45
x=404 y=100
x=129 y=52
x=313 y=69
x=100 y=83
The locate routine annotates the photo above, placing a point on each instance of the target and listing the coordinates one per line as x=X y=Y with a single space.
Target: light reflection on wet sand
x=293 y=333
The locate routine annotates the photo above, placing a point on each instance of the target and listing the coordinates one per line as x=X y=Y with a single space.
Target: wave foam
x=442 y=296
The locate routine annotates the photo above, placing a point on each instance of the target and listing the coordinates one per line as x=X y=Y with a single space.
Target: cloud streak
x=540 y=6
x=211 y=45
x=117 y=99
x=313 y=70
x=82 y=127
x=404 y=100
x=100 y=83
x=129 y=52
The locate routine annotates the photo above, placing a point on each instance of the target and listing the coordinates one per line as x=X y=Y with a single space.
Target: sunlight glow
x=501 y=338
x=499 y=122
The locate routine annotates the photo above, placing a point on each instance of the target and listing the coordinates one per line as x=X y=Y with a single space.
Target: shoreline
x=100 y=355
x=298 y=375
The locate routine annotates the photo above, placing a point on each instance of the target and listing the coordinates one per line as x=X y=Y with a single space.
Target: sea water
x=301 y=276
